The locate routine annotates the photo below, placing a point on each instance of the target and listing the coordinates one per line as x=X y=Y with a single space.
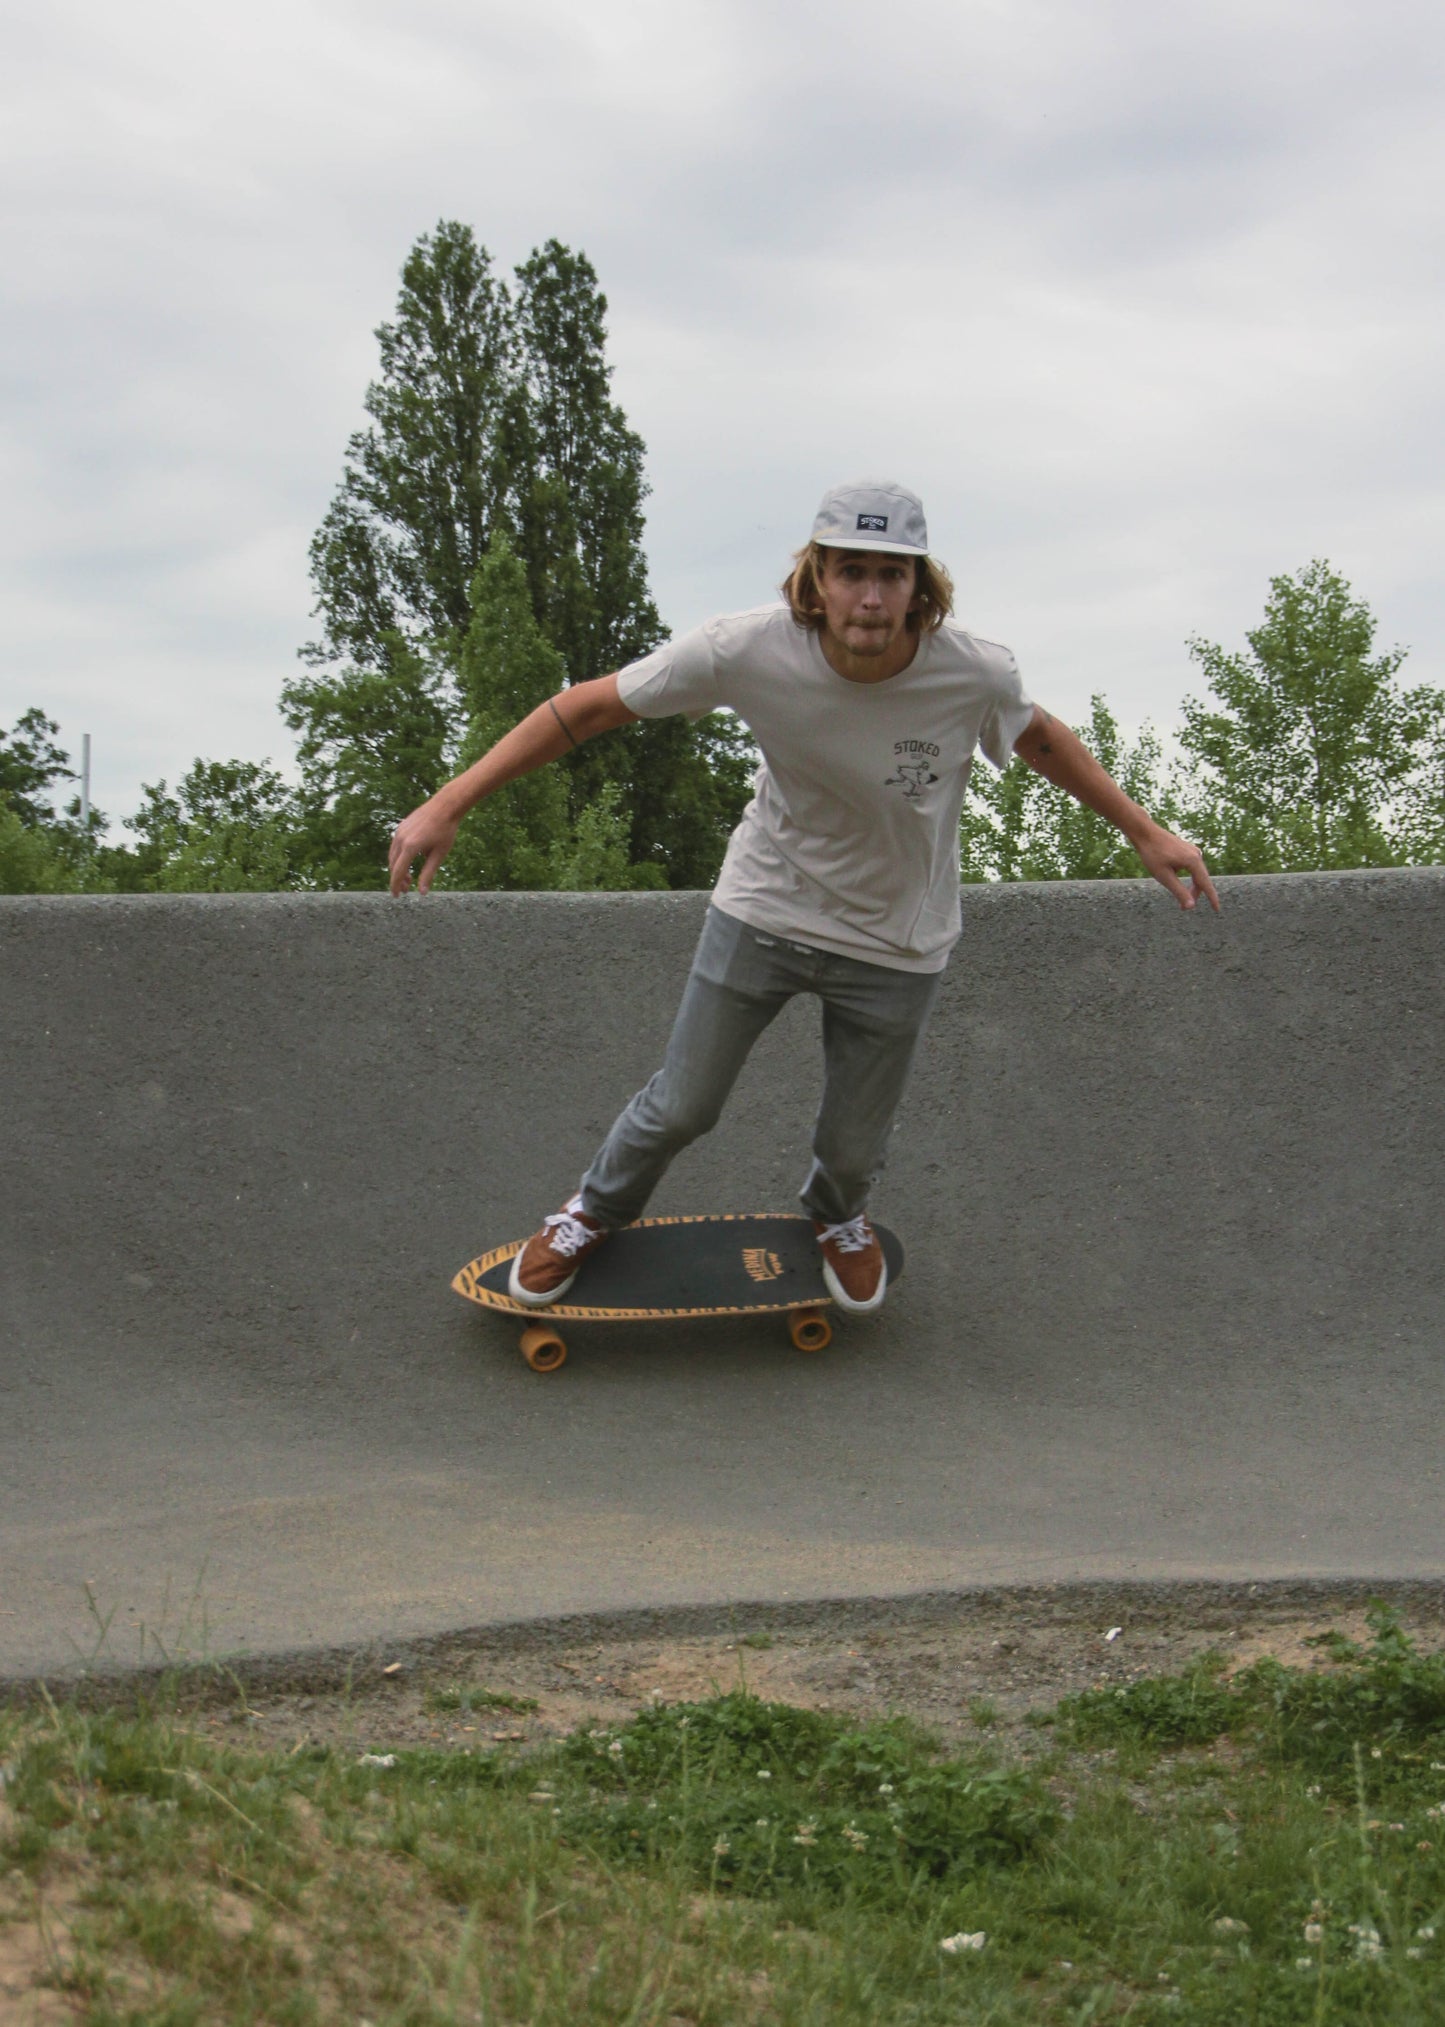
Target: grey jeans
x=873 y=1022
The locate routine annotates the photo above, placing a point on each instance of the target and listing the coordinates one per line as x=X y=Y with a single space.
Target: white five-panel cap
x=872 y=514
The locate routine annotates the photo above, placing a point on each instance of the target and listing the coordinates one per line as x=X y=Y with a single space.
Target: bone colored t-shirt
x=850 y=842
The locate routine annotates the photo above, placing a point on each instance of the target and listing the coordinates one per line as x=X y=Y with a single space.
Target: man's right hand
x=544 y=734
x=427 y=834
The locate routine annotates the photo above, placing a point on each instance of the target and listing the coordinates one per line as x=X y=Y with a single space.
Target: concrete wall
x=1171 y=1188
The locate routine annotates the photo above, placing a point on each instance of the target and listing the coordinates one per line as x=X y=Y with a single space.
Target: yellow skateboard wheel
x=810 y=1329
x=542 y=1348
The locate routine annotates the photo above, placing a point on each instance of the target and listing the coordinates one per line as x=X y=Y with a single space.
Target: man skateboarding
x=867 y=703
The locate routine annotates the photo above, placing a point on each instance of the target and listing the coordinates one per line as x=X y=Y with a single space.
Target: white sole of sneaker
x=527 y=1297
x=845 y=1301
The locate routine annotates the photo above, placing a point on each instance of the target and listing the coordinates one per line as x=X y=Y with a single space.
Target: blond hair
x=932 y=591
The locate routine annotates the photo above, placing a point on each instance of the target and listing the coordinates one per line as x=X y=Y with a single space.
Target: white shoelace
x=567 y=1234
x=854 y=1235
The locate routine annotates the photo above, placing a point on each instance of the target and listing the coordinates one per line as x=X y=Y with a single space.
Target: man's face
x=867 y=596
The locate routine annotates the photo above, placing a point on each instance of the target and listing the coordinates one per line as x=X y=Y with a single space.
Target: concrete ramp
x=1171 y=1189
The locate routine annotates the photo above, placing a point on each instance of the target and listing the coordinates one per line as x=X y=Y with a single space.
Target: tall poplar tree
x=424 y=486
x=578 y=488
x=577 y=476
x=492 y=415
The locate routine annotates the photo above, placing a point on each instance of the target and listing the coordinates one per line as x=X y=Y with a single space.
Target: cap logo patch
x=875 y=524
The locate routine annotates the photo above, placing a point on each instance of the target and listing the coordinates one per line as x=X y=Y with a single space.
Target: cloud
x=1144 y=300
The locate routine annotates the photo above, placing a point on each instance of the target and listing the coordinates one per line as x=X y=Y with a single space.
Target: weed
x=478 y=1699
x=1187 y=1709
x=1386 y=1695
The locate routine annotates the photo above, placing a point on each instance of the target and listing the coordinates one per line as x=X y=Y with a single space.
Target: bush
x=1385 y=1699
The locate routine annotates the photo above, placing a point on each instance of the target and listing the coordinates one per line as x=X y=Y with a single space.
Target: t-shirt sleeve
x=681 y=675
x=1009 y=712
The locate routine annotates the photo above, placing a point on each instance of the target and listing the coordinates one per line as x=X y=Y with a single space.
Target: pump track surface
x=1170 y=1187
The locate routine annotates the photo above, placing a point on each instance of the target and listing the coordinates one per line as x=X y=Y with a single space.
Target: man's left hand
x=1172 y=861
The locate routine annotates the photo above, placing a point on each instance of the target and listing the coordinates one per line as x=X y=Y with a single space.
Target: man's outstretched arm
x=1060 y=756
x=552 y=729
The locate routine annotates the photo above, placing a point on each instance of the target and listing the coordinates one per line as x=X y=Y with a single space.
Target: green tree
x=579 y=489
x=507 y=668
x=30 y=862
x=1421 y=814
x=595 y=855
x=684 y=787
x=53 y=851
x=525 y=835
x=1017 y=826
x=231 y=827
x=577 y=473
x=373 y=744
x=491 y=415
x=424 y=485
x=1310 y=753
x=30 y=766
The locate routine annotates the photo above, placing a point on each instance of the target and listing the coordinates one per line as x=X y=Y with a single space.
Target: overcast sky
x=1145 y=300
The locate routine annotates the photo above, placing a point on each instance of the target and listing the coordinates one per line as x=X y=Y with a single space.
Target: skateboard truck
x=545 y=1349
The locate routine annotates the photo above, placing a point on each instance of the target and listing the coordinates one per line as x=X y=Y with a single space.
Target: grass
x=478 y=1699
x=1266 y=1847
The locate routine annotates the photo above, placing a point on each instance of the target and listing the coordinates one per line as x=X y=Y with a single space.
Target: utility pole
x=85 y=784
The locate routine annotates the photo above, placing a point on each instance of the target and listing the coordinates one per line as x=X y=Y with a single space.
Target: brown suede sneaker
x=547 y=1265
x=853 y=1264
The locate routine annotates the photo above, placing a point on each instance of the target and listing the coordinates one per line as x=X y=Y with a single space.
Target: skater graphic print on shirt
x=914 y=773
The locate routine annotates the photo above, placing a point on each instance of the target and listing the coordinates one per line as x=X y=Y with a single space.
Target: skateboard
x=667 y=1269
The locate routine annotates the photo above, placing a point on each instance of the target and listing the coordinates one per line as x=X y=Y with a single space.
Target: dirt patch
x=35 y=1954
x=959 y=1666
